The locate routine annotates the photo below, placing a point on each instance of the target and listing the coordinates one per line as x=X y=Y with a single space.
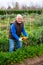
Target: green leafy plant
x=10 y=58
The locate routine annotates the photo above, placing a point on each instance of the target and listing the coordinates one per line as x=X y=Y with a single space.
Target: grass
x=21 y=54
x=6 y=58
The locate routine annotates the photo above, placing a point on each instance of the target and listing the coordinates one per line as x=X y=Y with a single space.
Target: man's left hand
x=24 y=38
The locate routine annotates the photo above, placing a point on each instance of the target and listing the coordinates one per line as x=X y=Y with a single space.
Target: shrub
x=39 y=22
x=36 y=36
x=4 y=44
x=3 y=12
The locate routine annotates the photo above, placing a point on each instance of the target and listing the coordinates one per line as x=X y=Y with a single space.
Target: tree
x=24 y=7
x=17 y=6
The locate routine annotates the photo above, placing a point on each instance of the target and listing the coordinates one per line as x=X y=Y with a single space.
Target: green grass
x=33 y=50
x=21 y=54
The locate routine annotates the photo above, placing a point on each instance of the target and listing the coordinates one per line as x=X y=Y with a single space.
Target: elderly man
x=15 y=31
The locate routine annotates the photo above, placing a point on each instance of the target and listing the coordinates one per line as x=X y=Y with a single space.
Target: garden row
x=10 y=58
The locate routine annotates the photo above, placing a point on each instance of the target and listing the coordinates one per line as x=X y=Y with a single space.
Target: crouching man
x=16 y=29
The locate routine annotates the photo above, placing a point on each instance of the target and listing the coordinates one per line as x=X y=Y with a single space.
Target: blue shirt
x=13 y=30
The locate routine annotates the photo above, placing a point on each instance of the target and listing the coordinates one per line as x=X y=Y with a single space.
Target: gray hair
x=19 y=15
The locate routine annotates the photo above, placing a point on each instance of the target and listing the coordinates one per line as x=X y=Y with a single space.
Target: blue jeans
x=12 y=44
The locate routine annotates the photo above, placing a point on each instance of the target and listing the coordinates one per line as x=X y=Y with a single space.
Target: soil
x=32 y=61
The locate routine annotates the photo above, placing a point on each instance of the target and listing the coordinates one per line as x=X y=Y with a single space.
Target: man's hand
x=24 y=38
x=20 y=39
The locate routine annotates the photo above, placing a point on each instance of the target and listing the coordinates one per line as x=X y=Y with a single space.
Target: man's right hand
x=20 y=39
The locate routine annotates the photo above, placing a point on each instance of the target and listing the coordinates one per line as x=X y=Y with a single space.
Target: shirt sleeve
x=13 y=30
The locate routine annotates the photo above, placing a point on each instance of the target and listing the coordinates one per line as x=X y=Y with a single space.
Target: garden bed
x=18 y=56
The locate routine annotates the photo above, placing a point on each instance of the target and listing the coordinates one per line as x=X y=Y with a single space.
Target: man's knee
x=20 y=44
x=11 y=45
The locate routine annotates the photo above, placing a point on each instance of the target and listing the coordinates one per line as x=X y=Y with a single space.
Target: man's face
x=19 y=20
